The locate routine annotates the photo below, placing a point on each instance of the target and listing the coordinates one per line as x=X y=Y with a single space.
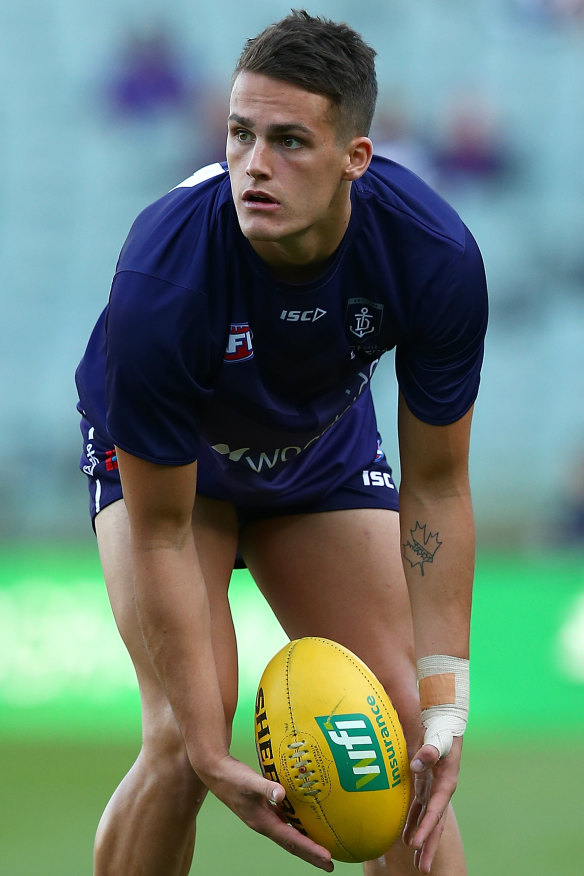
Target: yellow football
x=326 y=730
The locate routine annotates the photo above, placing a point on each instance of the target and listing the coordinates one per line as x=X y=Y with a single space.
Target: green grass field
x=519 y=806
x=69 y=719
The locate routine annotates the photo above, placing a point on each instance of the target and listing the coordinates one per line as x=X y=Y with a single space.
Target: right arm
x=173 y=610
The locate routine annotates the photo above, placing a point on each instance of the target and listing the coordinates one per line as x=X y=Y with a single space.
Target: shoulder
x=181 y=228
x=162 y=295
x=394 y=197
x=417 y=238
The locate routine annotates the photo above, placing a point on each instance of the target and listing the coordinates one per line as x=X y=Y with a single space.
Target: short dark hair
x=320 y=56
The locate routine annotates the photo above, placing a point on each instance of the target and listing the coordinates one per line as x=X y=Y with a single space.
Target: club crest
x=364 y=317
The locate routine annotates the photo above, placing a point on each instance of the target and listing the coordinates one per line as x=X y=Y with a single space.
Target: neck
x=302 y=257
x=295 y=273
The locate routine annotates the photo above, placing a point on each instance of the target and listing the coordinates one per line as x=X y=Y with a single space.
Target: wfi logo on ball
x=356 y=752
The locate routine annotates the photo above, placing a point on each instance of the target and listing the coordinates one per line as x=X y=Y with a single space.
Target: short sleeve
x=438 y=367
x=158 y=362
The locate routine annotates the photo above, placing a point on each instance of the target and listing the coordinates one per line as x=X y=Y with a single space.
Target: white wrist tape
x=444 y=693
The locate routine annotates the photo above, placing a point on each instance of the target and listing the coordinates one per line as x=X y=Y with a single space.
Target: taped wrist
x=443 y=684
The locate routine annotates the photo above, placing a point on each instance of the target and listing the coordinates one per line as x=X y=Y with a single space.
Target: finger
x=258 y=802
x=422 y=784
x=285 y=835
x=290 y=839
x=431 y=818
x=424 y=857
x=414 y=815
x=426 y=787
x=445 y=778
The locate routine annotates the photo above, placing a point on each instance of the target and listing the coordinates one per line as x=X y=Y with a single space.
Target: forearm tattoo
x=421 y=548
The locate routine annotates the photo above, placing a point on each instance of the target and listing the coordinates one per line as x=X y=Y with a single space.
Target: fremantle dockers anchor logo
x=364 y=317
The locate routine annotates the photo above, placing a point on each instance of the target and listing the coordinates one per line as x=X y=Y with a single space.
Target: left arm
x=438 y=547
x=438 y=560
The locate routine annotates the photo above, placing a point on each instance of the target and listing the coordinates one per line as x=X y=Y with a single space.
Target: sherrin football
x=327 y=731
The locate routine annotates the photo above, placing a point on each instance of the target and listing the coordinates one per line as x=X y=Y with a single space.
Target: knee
x=165 y=759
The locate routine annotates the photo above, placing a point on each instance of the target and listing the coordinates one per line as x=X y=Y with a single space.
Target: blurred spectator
x=551 y=11
x=150 y=79
x=472 y=148
x=395 y=137
x=213 y=124
x=156 y=92
x=572 y=517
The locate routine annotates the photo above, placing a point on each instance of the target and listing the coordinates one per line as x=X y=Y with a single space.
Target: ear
x=359 y=153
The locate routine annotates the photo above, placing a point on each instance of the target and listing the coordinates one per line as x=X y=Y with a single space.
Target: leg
x=148 y=827
x=339 y=575
x=449 y=858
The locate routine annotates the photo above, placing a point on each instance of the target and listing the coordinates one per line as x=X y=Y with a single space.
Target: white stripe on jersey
x=201 y=175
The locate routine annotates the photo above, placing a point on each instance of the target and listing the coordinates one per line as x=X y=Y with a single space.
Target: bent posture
x=227 y=413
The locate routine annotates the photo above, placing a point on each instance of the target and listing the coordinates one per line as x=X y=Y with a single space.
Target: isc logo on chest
x=239 y=346
x=303 y=315
x=356 y=752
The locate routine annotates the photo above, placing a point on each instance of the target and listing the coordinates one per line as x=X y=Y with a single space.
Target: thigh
x=216 y=535
x=339 y=575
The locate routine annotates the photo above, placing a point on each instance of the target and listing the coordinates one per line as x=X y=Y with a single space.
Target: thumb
x=437 y=744
x=274 y=792
x=426 y=758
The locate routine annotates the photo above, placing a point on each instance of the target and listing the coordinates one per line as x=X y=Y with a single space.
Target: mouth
x=257 y=200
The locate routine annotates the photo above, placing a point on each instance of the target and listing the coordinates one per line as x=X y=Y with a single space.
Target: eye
x=243 y=136
x=291 y=142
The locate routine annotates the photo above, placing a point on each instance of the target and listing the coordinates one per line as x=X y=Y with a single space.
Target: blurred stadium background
x=103 y=108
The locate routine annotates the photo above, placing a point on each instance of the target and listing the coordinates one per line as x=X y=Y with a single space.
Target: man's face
x=285 y=163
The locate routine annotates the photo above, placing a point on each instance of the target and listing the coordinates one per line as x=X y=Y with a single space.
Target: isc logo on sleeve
x=239 y=346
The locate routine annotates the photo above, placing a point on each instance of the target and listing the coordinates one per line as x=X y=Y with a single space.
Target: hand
x=435 y=781
x=255 y=800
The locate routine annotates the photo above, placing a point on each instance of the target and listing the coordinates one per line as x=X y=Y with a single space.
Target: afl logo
x=239 y=346
x=380 y=452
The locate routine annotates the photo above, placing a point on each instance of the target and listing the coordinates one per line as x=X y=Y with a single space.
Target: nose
x=259 y=166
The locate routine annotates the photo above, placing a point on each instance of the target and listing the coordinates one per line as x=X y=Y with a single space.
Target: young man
x=233 y=363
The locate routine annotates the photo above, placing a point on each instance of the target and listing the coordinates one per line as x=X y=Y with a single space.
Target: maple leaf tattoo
x=421 y=548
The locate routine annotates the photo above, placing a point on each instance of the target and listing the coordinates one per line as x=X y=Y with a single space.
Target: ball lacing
x=302 y=765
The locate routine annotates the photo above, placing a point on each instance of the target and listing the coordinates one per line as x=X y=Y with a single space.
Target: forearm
x=438 y=550
x=173 y=608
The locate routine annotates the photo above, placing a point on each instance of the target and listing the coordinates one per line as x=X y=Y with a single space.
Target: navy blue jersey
x=202 y=354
